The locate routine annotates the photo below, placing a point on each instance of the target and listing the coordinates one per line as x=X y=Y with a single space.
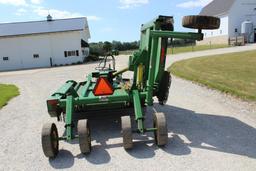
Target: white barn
x=233 y=13
x=43 y=43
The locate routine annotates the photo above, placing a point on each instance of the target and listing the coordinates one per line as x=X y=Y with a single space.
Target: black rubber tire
x=201 y=22
x=164 y=86
x=50 y=141
x=84 y=135
x=161 y=134
x=127 y=132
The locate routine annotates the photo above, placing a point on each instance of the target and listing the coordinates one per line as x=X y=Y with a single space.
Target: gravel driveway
x=207 y=130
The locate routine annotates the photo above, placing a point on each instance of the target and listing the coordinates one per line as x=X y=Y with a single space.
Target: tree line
x=102 y=48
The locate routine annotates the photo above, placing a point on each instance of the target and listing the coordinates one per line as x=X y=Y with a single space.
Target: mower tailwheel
x=84 y=134
x=126 y=132
x=201 y=22
x=50 y=140
x=164 y=87
x=161 y=133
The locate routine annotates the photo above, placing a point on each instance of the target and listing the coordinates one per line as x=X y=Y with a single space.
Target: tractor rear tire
x=161 y=132
x=50 y=140
x=127 y=132
x=201 y=22
x=84 y=134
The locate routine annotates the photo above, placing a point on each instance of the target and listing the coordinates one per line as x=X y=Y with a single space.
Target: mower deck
x=106 y=90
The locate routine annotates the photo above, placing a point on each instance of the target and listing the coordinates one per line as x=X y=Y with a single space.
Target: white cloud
x=14 y=2
x=34 y=6
x=36 y=1
x=107 y=29
x=194 y=3
x=93 y=18
x=59 y=14
x=132 y=3
x=56 y=14
x=20 y=12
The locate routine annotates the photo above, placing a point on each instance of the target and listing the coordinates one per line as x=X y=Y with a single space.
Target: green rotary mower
x=106 y=90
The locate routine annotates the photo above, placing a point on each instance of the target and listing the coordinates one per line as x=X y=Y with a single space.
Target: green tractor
x=106 y=90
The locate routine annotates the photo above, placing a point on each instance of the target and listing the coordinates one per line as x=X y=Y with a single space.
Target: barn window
x=36 y=56
x=5 y=58
x=71 y=53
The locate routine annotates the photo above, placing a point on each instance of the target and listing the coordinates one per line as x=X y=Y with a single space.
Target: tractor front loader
x=106 y=89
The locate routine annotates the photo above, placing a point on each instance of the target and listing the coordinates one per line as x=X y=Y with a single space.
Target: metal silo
x=247 y=31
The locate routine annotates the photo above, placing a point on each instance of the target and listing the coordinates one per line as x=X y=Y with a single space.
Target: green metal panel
x=64 y=89
x=119 y=95
x=180 y=35
x=86 y=86
x=152 y=71
x=138 y=110
x=137 y=105
x=158 y=68
x=68 y=119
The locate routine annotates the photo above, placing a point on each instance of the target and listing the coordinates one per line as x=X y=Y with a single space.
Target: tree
x=107 y=46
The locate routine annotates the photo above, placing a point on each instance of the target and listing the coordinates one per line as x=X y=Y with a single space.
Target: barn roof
x=217 y=7
x=39 y=27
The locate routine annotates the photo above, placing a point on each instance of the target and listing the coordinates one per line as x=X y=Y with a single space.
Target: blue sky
x=108 y=20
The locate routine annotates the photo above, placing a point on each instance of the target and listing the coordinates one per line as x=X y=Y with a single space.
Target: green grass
x=233 y=73
x=177 y=50
x=7 y=92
